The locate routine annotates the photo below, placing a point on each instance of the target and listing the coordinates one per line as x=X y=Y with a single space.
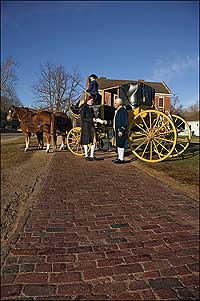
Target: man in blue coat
x=93 y=89
x=120 y=129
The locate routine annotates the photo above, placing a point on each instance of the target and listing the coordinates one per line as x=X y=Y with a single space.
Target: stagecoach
x=153 y=135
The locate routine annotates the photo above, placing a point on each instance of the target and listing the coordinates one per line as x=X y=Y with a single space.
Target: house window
x=161 y=102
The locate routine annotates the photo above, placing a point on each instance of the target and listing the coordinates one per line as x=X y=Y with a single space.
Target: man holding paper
x=88 y=132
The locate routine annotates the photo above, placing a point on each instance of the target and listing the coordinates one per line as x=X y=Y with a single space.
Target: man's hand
x=120 y=134
x=101 y=121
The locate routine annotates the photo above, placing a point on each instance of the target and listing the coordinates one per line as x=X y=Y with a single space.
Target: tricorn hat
x=93 y=75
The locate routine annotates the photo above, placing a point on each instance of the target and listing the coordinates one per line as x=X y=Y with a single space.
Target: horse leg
x=63 y=142
x=54 y=139
x=40 y=140
x=48 y=142
x=27 y=140
x=48 y=138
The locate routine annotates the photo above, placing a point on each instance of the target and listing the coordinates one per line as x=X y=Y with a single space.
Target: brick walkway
x=100 y=231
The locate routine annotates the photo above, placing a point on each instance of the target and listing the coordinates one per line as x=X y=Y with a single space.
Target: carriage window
x=161 y=102
x=107 y=100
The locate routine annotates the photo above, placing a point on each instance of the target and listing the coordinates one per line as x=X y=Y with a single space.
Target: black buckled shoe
x=90 y=158
x=118 y=161
x=115 y=160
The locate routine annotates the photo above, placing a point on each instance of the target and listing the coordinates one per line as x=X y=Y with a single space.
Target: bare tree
x=56 y=89
x=175 y=105
x=192 y=112
x=8 y=85
x=8 y=82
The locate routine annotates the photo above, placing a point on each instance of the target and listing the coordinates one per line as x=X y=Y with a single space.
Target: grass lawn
x=184 y=169
x=179 y=173
x=12 y=153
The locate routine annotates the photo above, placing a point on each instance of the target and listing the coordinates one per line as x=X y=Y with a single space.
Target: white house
x=194 y=127
x=193 y=122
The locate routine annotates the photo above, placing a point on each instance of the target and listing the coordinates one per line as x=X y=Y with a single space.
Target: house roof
x=160 y=87
x=193 y=116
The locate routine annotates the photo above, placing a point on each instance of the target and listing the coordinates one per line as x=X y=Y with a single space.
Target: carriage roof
x=133 y=94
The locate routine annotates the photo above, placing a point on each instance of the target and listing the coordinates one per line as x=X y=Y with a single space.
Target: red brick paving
x=99 y=231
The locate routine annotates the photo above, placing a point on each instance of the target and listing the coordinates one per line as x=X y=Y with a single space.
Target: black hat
x=93 y=75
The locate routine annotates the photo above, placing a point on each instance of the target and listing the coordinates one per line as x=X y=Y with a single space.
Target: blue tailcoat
x=93 y=90
x=121 y=124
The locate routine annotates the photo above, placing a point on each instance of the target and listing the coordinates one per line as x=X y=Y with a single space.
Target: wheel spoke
x=142 y=138
x=71 y=142
x=144 y=122
x=175 y=120
x=136 y=139
x=73 y=147
x=150 y=121
x=165 y=133
x=74 y=135
x=159 y=143
x=156 y=120
x=163 y=139
x=181 y=139
x=161 y=127
x=181 y=145
x=157 y=149
x=151 y=150
x=145 y=149
x=139 y=145
x=180 y=124
x=141 y=128
x=176 y=150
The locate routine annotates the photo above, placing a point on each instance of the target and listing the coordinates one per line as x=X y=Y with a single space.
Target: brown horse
x=34 y=121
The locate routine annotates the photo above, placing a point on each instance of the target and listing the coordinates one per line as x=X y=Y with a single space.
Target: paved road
x=100 y=231
x=8 y=137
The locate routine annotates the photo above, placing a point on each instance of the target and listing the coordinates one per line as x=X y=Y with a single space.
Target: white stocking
x=120 y=153
x=85 y=150
x=92 y=150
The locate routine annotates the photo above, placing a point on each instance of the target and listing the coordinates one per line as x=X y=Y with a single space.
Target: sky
x=150 y=40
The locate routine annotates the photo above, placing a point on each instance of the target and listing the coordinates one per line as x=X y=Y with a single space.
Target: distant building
x=193 y=122
x=162 y=92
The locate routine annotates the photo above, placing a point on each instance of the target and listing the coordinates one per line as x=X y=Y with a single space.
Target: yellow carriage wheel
x=152 y=136
x=183 y=135
x=74 y=142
